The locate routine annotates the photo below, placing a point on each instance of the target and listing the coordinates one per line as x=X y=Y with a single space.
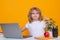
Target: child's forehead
x=34 y=11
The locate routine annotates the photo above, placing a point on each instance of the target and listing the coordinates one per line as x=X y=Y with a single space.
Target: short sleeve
x=27 y=25
x=44 y=24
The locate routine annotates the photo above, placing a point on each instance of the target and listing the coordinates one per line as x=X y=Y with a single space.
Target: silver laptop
x=11 y=30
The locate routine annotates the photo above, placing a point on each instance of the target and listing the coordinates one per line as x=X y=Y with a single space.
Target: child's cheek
x=32 y=16
x=37 y=15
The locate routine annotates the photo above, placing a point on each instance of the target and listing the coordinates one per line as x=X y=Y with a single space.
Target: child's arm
x=23 y=29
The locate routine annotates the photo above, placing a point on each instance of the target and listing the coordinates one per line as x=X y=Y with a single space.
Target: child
x=36 y=24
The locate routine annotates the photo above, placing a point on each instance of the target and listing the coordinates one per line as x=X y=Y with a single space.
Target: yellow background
x=16 y=11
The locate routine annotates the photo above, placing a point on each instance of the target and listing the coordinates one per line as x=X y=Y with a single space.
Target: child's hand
x=46 y=18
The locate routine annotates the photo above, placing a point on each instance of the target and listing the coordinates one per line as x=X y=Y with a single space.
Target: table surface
x=30 y=38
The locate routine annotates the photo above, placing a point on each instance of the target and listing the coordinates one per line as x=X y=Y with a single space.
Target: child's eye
x=33 y=13
x=37 y=13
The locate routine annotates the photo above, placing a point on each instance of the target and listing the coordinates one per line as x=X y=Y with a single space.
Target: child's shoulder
x=38 y=21
x=28 y=23
x=43 y=21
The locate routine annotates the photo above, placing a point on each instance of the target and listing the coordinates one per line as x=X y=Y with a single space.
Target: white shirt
x=36 y=28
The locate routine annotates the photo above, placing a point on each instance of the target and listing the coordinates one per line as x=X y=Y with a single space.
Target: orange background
x=16 y=11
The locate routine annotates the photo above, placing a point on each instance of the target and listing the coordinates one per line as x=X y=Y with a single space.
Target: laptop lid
x=11 y=30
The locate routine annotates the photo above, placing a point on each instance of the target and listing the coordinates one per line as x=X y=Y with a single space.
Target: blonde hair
x=30 y=13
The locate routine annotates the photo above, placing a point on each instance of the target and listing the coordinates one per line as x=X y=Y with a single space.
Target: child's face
x=35 y=15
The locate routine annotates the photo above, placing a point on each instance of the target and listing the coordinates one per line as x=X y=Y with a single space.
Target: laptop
x=11 y=30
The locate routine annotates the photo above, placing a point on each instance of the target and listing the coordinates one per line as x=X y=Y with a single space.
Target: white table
x=3 y=38
x=30 y=38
